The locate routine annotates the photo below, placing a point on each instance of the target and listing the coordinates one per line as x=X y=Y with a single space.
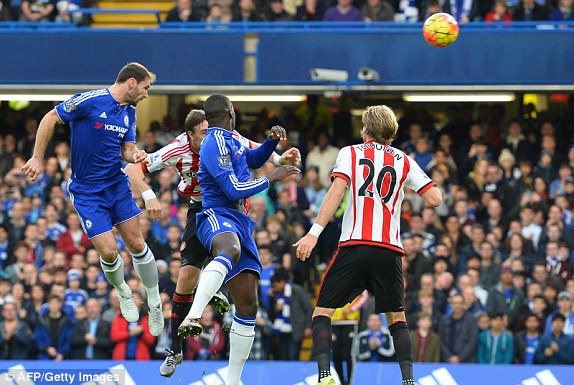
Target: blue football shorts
x=100 y=211
x=214 y=221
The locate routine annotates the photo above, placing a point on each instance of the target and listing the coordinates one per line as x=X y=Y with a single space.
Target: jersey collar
x=219 y=129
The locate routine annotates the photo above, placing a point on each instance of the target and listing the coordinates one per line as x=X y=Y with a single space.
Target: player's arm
x=420 y=182
x=330 y=204
x=433 y=197
x=132 y=154
x=217 y=161
x=136 y=175
x=33 y=168
x=258 y=156
x=291 y=156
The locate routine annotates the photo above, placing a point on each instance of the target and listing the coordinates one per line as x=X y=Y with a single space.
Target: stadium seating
x=131 y=20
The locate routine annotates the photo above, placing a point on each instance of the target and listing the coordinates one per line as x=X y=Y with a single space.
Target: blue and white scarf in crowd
x=282 y=323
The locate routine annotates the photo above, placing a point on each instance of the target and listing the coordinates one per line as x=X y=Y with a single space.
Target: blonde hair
x=380 y=123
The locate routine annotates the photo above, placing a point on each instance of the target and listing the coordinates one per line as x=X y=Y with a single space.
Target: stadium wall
x=273 y=372
x=482 y=55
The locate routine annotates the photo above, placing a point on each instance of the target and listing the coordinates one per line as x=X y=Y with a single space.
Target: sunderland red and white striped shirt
x=181 y=154
x=376 y=175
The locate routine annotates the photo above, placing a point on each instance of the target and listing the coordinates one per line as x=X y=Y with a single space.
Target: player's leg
x=94 y=214
x=403 y=344
x=243 y=288
x=343 y=281
x=113 y=267
x=226 y=249
x=124 y=213
x=193 y=255
x=323 y=343
x=388 y=283
x=145 y=265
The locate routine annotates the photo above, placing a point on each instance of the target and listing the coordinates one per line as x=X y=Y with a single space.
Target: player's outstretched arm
x=330 y=204
x=136 y=176
x=34 y=166
x=258 y=156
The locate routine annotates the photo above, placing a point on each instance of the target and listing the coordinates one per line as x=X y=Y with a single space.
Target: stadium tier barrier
x=513 y=54
x=271 y=372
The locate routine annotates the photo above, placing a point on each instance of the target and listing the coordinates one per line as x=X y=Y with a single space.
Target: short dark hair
x=280 y=275
x=496 y=314
x=136 y=71
x=194 y=118
x=558 y=316
x=531 y=315
x=216 y=107
x=53 y=296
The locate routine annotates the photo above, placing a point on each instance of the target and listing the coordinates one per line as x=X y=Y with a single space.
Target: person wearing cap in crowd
x=505 y=298
x=555 y=348
x=75 y=296
x=564 y=301
x=102 y=292
x=507 y=162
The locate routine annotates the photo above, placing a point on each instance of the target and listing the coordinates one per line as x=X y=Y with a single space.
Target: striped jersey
x=376 y=175
x=181 y=155
x=99 y=127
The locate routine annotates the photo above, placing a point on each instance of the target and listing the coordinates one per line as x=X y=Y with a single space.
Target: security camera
x=328 y=75
x=368 y=74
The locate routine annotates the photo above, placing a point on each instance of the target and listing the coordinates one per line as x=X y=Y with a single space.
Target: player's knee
x=233 y=250
x=109 y=254
x=136 y=246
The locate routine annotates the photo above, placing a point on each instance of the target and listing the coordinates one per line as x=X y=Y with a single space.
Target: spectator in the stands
x=53 y=332
x=132 y=341
x=555 y=348
x=426 y=343
x=184 y=12
x=377 y=10
x=530 y=10
x=374 y=344
x=564 y=11
x=565 y=308
x=74 y=240
x=458 y=334
x=277 y=12
x=526 y=341
x=37 y=10
x=15 y=336
x=496 y=345
x=90 y=338
x=344 y=10
x=246 y=10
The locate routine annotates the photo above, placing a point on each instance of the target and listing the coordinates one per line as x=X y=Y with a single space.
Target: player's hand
x=282 y=173
x=140 y=156
x=278 y=132
x=153 y=208
x=33 y=168
x=305 y=246
x=291 y=156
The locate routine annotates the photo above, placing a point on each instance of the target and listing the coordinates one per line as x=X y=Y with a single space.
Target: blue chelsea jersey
x=224 y=168
x=99 y=126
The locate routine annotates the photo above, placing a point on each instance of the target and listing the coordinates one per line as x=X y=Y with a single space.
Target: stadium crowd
x=488 y=274
x=223 y=11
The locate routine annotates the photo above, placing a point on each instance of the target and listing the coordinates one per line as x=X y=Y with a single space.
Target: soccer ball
x=440 y=30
